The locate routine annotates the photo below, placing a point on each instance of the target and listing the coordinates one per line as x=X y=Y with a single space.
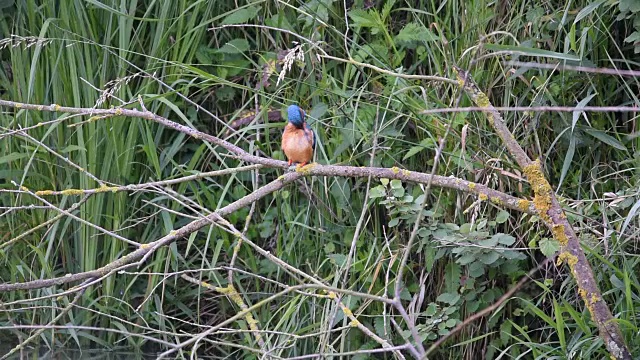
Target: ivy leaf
x=241 y=16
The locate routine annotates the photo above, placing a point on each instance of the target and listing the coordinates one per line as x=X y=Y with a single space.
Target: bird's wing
x=312 y=137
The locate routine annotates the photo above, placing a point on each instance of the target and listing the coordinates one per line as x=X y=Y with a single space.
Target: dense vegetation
x=210 y=65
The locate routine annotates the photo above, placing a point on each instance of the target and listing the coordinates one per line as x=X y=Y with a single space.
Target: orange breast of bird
x=297 y=145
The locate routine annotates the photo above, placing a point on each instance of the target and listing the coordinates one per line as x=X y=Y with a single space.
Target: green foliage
x=204 y=63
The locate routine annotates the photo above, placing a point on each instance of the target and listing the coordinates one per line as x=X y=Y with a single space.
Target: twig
x=135 y=187
x=559 y=66
x=536 y=109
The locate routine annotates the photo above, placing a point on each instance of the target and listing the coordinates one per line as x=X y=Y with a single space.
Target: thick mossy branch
x=549 y=210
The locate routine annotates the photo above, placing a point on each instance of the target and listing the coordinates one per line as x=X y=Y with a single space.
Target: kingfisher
x=298 y=139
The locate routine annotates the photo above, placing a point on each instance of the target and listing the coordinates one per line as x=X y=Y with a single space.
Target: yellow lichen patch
x=105 y=188
x=354 y=323
x=40 y=107
x=483 y=197
x=496 y=200
x=173 y=233
x=583 y=293
x=55 y=107
x=482 y=100
x=558 y=234
x=395 y=170
x=44 y=192
x=541 y=189
x=347 y=311
x=594 y=298
x=72 y=192
x=305 y=170
x=472 y=186
x=523 y=204
x=231 y=292
x=565 y=256
x=145 y=246
x=332 y=295
x=18 y=106
x=406 y=172
x=118 y=111
x=24 y=188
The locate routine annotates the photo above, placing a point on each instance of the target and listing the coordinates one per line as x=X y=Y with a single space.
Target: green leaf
x=476 y=269
x=377 y=192
x=635 y=36
x=605 y=138
x=502 y=217
x=394 y=222
x=71 y=148
x=414 y=33
x=505 y=239
x=338 y=259
x=490 y=242
x=448 y=298
x=329 y=248
x=549 y=247
x=452 y=276
x=532 y=52
x=241 y=16
x=235 y=46
x=427 y=143
x=363 y=18
x=12 y=157
x=568 y=158
x=431 y=309
x=378 y=325
x=489 y=258
x=466 y=259
x=588 y=10
x=386 y=9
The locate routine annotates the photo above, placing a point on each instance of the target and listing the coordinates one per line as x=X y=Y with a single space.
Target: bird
x=298 y=139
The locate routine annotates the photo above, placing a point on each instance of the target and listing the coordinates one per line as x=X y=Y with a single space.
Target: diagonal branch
x=554 y=218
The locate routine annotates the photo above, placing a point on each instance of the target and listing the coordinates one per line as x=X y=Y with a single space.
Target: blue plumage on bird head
x=296 y=116
x=298 y=139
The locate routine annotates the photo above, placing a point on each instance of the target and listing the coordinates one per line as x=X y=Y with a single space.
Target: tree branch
x=554 y=218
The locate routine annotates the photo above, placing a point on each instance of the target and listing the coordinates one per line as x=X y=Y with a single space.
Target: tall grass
x=110 y=53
